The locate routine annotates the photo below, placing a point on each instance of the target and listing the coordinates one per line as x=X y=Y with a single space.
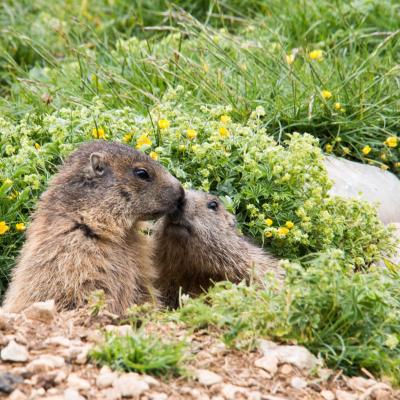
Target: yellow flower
x=163 y=124
x=182 y=147
x=143 y=140
x=328 y=148
x=127 y=138
x=366 y=150
x=397 y=164
x=283 y=231
x=290 y=58
x=268 y=234
x=326 y=94
x=191 y=134
x=20 y=227
x=391 y=141
x=153 y=155
x=3 y=228
x=316 y=55
x=384 y=157
x=224 y=132
x=98 y=133
x=225 y=119
x=289 y=224
x=337 y=106
x=37 y=146
x=8 y=182
x=269 y=221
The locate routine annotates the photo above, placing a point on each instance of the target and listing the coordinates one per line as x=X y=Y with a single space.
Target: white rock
x=269 y=363
x=75 y=382
x=158 y=396
x=130 y=385
x=296 y=355
x=58 y=341
x=110 y=394
x=375 y=185
x=37 y=393
x=229 y=391
x=106 y=379
x=298 y=383
x=328 y=395
x=150 y=380
x=254 y=396
x=17 y=395
x=342 y=395
x=72 y=394
x=14 y=352
x=43 y=311
x=207 y=378
x=60 y=377
x=359 y=383
x=266 y=346
x=45 y=363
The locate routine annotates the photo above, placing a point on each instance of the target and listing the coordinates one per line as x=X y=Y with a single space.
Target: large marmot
x=84 y=235
x=199 y=245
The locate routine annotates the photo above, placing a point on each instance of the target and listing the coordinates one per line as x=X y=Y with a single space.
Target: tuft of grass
x=351 y=319
x=141 y=353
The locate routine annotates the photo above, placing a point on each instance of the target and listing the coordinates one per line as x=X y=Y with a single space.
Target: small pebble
x=207 y=378
x=76 y=382
x=298 y=383
x=14 y=352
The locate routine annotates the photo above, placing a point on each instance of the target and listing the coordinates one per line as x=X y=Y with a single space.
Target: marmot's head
x=201 y=236
x=200 y=216
x=108 y=178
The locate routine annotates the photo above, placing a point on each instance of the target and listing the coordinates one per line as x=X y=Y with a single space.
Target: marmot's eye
x=212 y=205
x=141 y=173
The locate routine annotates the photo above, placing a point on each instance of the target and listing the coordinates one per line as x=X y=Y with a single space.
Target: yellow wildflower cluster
x=191 y=134
x=20 y=227
x=391 y=141
x=223 y=132
x=98 y=133
x=163 y=124
x=366 y=150
x=143 y=140
x=326 y=94
x=4 y=228
x=127 y=138
x=225 y=119
x=316 y=55
x=154 y=155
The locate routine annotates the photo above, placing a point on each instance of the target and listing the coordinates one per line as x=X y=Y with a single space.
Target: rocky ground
x=44 y=355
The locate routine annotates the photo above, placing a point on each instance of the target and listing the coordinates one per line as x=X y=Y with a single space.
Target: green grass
x=141 y=353
x=351 y=320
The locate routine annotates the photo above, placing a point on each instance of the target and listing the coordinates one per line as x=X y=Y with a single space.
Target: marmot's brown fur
x=199 y=245
x=84 y=235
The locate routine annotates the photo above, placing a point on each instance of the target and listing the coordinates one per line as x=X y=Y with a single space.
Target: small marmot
x=84 y=235
x=199 y=244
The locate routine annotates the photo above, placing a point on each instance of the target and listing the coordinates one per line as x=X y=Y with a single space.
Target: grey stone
x=8 y=382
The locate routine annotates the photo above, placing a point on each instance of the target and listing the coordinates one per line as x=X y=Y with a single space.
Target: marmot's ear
x=97 y=164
